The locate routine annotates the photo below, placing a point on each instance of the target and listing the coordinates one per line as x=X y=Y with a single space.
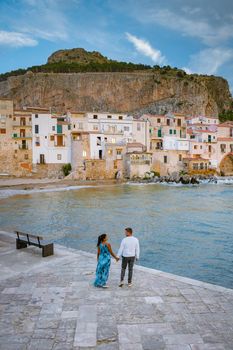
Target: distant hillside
x=79 y=80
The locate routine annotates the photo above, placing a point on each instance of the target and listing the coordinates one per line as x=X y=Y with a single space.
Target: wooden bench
x=25 y=239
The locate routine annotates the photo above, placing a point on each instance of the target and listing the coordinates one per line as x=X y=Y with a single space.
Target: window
x=179 y=122
x=158 y=120
x=195 y=166
x=209 y=148
x=26 y=156
x=200 y=147
x=36 y=115
x=58 y=156
x=138 y=127
x=51 y=137
x=202 y=166
x=231 y=147
x=84 y=153
x=110 y=152
x=113 y=140
x=106 y=139
x=95 y=116
x=109 y=117
x=95 y=127
x=192 y=137
x=168 y=121
x=80 y=126
x=223 y=148
x=98 y=141
x=126 y=128
x=36 y=129
x=165 y=159
x=174 y=132
x=180 y=157
x=45 y=137
x=170 y=131
x=69 y=127
x=120 y=117
x=195 y=147
x=2 y=131
x=37 y=141
x=53 y=128
x=118 y=151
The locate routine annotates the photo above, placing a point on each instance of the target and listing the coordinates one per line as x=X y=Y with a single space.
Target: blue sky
x=194 y=35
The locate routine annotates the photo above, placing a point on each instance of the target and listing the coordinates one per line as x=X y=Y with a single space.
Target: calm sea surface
x=187 y=231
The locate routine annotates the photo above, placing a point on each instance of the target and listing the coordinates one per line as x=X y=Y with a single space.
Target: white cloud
x=188 y=21
x=208 y=61
x=146 y=49
x=15 y=39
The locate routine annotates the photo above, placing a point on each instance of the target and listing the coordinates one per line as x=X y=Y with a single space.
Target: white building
x=51 y=142
x=105 y=128
x=175 y=144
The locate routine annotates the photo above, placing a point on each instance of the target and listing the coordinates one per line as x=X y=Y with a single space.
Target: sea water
x=185 y=230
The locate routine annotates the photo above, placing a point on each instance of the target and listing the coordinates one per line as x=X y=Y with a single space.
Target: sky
x=195 y=35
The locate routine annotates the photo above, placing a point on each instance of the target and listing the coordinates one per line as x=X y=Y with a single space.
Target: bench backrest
x=28 y=235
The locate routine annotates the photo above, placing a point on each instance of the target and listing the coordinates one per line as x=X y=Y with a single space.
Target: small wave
x=9 y=192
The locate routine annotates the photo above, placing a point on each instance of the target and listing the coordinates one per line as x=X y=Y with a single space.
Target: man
x=129 y=250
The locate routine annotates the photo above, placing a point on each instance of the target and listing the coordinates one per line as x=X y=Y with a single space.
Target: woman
x=104 y=260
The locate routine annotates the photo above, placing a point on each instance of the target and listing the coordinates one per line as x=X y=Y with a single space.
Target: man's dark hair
x=129 y=229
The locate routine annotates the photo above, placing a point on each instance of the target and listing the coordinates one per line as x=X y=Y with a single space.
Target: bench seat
x=25 y=239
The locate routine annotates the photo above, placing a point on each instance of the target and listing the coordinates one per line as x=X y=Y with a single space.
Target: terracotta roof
x=200 y=124
x=225 y=139
x=139 y=152
x=196 y=159
x=207 y=131
x=134 y=144
x=228 y=124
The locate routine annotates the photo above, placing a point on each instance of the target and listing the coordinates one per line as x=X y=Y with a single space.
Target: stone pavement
x=50 y=304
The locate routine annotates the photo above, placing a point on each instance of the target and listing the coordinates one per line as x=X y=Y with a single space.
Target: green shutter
x=174 y=132
x=159 y=133
x=59 y=129
x=170 y=131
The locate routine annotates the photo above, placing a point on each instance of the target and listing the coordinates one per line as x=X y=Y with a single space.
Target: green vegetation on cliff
x=63 y=67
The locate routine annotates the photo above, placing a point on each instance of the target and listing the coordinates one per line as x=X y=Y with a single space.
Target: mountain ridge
x=80 y=80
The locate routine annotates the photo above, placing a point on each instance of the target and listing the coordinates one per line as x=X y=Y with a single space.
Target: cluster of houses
x=37 y=142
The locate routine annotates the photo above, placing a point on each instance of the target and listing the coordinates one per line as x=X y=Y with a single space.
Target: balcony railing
x=23 y=147
x=21 y=136
x=21 y=124
x=63 y=145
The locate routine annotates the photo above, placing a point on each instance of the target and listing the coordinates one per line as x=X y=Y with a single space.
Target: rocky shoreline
x=178 y=179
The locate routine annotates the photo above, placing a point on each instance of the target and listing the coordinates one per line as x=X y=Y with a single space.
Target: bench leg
x=20 y=244
x=47 y=250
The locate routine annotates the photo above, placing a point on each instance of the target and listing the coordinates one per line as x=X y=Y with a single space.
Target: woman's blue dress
x=103 y=266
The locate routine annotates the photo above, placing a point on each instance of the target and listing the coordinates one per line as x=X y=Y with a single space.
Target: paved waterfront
x=50 y=303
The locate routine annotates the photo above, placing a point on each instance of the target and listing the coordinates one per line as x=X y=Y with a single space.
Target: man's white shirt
x=129 y=247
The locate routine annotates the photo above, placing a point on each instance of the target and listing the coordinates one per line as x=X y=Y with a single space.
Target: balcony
x=21 y=124
x=62 y=145
x=23 y=147
x=21 y=136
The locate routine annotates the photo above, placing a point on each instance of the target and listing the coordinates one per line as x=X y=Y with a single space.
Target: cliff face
x=145 y=91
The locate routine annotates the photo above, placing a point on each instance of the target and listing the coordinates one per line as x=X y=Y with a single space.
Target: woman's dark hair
x=101 y=238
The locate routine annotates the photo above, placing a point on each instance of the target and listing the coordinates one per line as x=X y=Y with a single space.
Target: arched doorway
x=226 y=165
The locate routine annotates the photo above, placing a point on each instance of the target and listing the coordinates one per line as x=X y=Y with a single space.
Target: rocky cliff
x=153 y=90
x=78 y=55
